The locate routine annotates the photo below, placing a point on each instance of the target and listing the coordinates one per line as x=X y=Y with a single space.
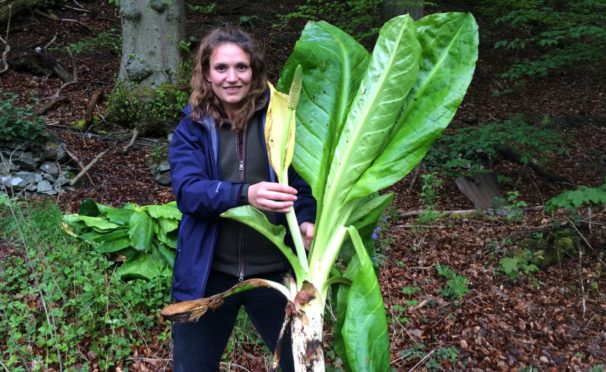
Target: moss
x=552 y=247
x=151 y=111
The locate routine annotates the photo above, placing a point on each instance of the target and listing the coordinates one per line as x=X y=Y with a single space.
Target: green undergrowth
x=18 y=123
x=150 y=111
x=62 y=306
x=472 y=150
x=360 y=19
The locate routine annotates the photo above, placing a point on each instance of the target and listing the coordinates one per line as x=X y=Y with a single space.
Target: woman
x=219 y=161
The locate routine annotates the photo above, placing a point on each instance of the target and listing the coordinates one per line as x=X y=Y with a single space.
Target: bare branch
x=87 y=168
x=55 y=18
x=51 y=41
x=7 y=47
x=132 y=141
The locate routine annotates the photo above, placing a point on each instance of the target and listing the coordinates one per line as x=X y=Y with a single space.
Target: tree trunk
x=151 y=32
x=393 y=8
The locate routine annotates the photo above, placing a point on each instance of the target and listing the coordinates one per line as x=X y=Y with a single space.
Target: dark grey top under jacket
x=240 y=250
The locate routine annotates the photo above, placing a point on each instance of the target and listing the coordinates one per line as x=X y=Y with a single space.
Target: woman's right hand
x=271 y=196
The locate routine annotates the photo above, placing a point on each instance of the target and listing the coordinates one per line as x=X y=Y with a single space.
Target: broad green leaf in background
x=108 y=242
x=88 y=207
x=166 y=231
x=141 y=230
x=333 y=65
x=449 y=43
x=167 y=211
x=167 y=225
x=120 y=216
x=97 y=223
x=143 y=266
x=167 y=254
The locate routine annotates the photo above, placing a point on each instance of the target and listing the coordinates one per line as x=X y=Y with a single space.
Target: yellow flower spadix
x=280 y=125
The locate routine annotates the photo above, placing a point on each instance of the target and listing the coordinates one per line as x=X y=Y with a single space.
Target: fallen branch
x=77 y=9
x=510 y=153
x=463 y=212
x=7 y=47
x=56 y=98
x=132 y=141
x=423 y=360
x=53 y=102
x=80 y=164
x=87 y=168
x=55 y=18
x=88 y=116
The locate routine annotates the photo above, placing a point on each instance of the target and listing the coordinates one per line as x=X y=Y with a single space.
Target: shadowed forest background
x=491 y=257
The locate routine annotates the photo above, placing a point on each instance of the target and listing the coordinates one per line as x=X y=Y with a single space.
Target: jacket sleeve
x=305 y=205
x=196 y=189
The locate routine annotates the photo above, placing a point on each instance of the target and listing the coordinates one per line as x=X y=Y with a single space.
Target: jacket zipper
x=240 y=154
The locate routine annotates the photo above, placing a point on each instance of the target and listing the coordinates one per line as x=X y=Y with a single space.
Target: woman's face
x=230 y=75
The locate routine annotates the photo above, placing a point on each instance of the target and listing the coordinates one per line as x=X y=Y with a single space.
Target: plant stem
x=295 y=232
x=293 y=225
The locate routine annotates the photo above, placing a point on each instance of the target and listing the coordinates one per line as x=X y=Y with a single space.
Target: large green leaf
x=275 y=233
x=143 y=266
x=166 y=231
x=167 y=254
x=333 y=65
x=120 y=216
x=168 y=210
x=88 y=207
x=390 y=75
x=97 y=223
x=449 y=44
x=141 y=230
x=113 y=241
x=362 y=337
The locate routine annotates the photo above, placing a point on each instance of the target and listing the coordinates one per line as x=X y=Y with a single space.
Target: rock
x=5 y=169
x=50 y=168
x=45 y=187
x=163 y=166
x=163 y=178
x=49 y=177
x=25 y=160
x=15 y=182
x=53 y=151
x=25 y=179
x=62 y=180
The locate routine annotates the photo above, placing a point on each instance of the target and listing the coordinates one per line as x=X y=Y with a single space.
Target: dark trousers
x=199 y=346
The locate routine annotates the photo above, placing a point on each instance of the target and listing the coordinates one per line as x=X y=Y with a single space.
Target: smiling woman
x=218 y=161
x=230 y=76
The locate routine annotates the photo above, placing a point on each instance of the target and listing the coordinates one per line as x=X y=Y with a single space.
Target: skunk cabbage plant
x=362 y=123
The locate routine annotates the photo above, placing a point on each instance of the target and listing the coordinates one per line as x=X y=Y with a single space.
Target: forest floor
x=553 y=319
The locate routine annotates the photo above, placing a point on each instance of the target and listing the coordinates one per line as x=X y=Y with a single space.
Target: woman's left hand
x=307 y=233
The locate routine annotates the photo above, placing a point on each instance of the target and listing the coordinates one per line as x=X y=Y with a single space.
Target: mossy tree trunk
x=393 y=8
x=151 y=32
x=149 y=68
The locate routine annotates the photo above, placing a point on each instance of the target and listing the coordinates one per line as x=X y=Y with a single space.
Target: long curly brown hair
x=203 y=99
